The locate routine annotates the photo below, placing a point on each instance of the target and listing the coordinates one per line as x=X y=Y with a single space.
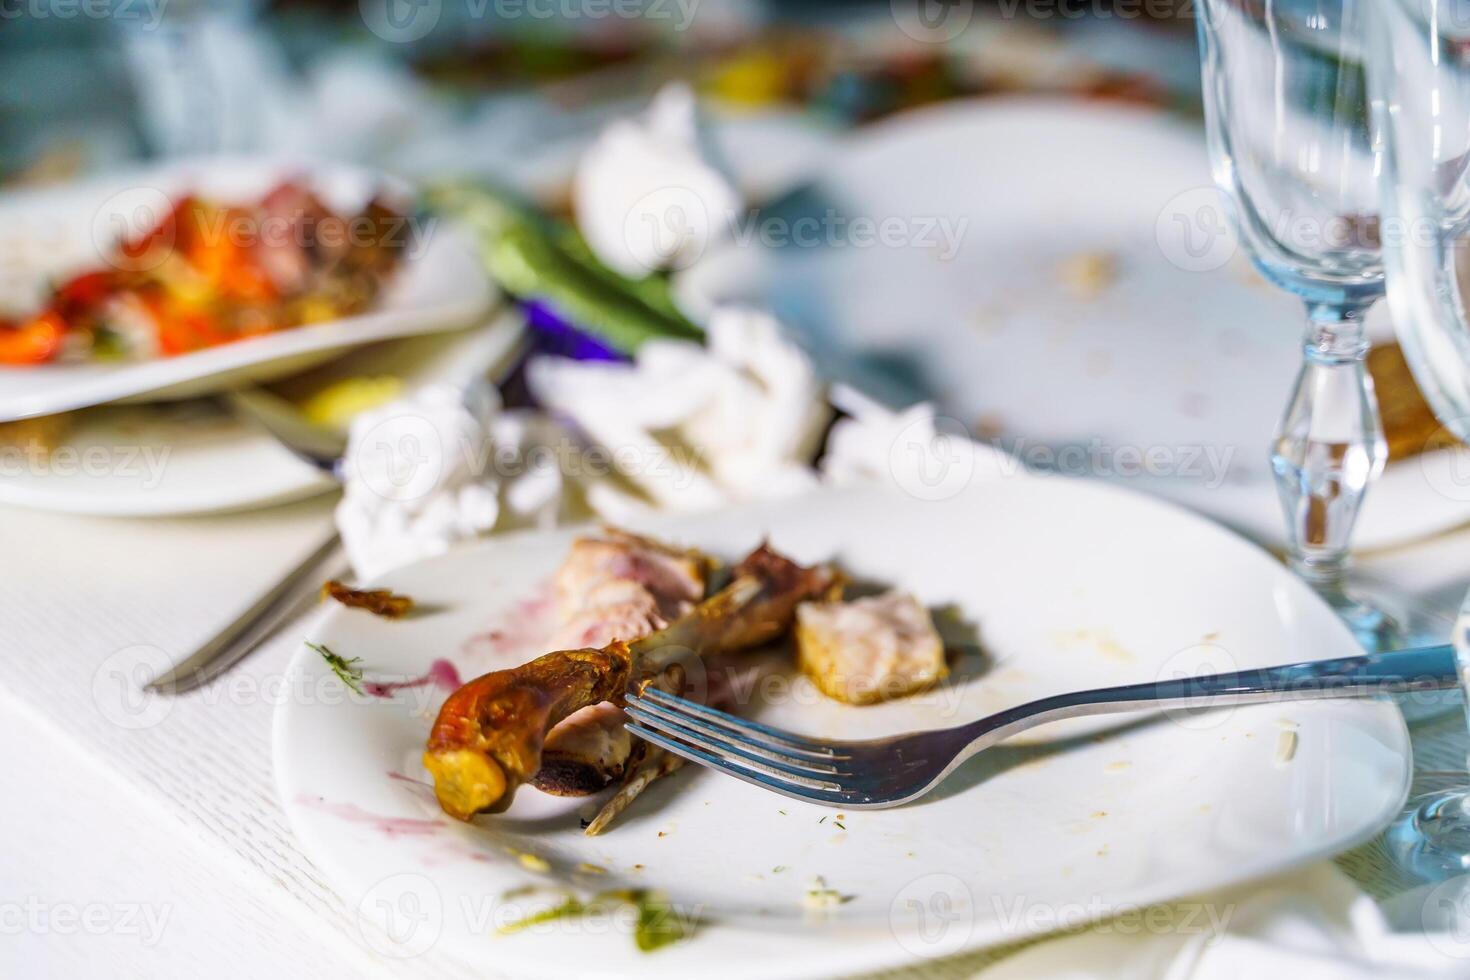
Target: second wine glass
x=1286 y=111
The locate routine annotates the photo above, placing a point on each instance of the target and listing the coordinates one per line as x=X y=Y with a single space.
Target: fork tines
x=769 y=757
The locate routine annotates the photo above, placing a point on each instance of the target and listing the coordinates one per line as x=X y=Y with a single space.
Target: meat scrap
x=379 y=602
x=870 y=649
x=617 y=586
x=489 y=736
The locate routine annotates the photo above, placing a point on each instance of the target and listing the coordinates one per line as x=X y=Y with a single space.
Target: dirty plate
x=1088 y=308
x=1053 y=584
x=48 y=233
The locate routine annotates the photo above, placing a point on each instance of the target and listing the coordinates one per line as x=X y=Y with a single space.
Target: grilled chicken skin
x=490 y=734
x=616 y=586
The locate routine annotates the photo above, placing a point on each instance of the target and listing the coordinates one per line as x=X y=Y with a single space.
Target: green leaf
x=536 y=257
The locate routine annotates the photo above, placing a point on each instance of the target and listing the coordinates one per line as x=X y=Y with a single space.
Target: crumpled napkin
x=647 y=193
x=1313 y=924
x=914 y=449
x=694 y=426
x=442 y=465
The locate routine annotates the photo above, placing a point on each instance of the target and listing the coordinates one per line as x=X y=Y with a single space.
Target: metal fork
x=300 y=584
x=889 y=771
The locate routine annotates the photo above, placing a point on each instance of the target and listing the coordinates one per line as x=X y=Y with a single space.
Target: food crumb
x=1118 y=766
x=663 y=833
x=1089 y=274
x=1102 y=642
x=819 y=897
x=1286 y=747
x=989 y=427
x=534 y=862
x=1098 y=814
x=592 y=869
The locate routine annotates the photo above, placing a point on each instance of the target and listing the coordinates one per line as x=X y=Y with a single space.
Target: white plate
x=1191 y=366
x=194 y=457
x=1071 y=584
x=170 y=458
x=441 y=284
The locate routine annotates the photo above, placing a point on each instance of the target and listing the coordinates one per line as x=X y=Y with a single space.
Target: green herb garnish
x=345 y=670
x=658 y=925
x=568 y=908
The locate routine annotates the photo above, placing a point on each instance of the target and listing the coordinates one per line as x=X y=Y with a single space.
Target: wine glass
x=1419 y=76
x=1286 y=113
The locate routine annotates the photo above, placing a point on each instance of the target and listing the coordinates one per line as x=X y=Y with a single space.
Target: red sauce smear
x=441 y=674
x=391 y=826
x=523 y=632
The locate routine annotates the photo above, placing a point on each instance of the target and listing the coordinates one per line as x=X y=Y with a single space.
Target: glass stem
x=1328 y=448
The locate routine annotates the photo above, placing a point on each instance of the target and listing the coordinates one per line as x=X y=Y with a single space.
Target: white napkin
x=647 y=193
x=444 y=465
x=1314 y=924
x=695 y=427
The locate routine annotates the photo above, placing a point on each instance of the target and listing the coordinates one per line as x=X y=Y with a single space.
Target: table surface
x=149 y=836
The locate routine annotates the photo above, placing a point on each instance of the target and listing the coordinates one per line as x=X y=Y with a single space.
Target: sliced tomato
x=84 y=293
x=164 y=233
x=182 y=331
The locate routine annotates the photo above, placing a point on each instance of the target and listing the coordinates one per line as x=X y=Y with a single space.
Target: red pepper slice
x=33 y=342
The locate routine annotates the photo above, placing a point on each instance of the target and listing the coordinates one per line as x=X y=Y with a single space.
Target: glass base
x=1432 y=839
x=1381 y=621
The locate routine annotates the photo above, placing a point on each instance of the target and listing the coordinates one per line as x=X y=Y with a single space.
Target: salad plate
x=52 y=233
x=1089 y=311
x=1054 y=584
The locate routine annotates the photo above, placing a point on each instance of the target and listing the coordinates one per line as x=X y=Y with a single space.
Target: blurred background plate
x=196 y=457
x=441 y=285
x=1055 y=306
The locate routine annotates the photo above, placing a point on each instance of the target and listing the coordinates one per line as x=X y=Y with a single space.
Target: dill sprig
x=346 y=670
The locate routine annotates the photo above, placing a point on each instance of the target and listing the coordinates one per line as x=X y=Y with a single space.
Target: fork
x=886 y=772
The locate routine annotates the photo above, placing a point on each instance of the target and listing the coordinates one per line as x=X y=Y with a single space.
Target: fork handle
x=1422 y=669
